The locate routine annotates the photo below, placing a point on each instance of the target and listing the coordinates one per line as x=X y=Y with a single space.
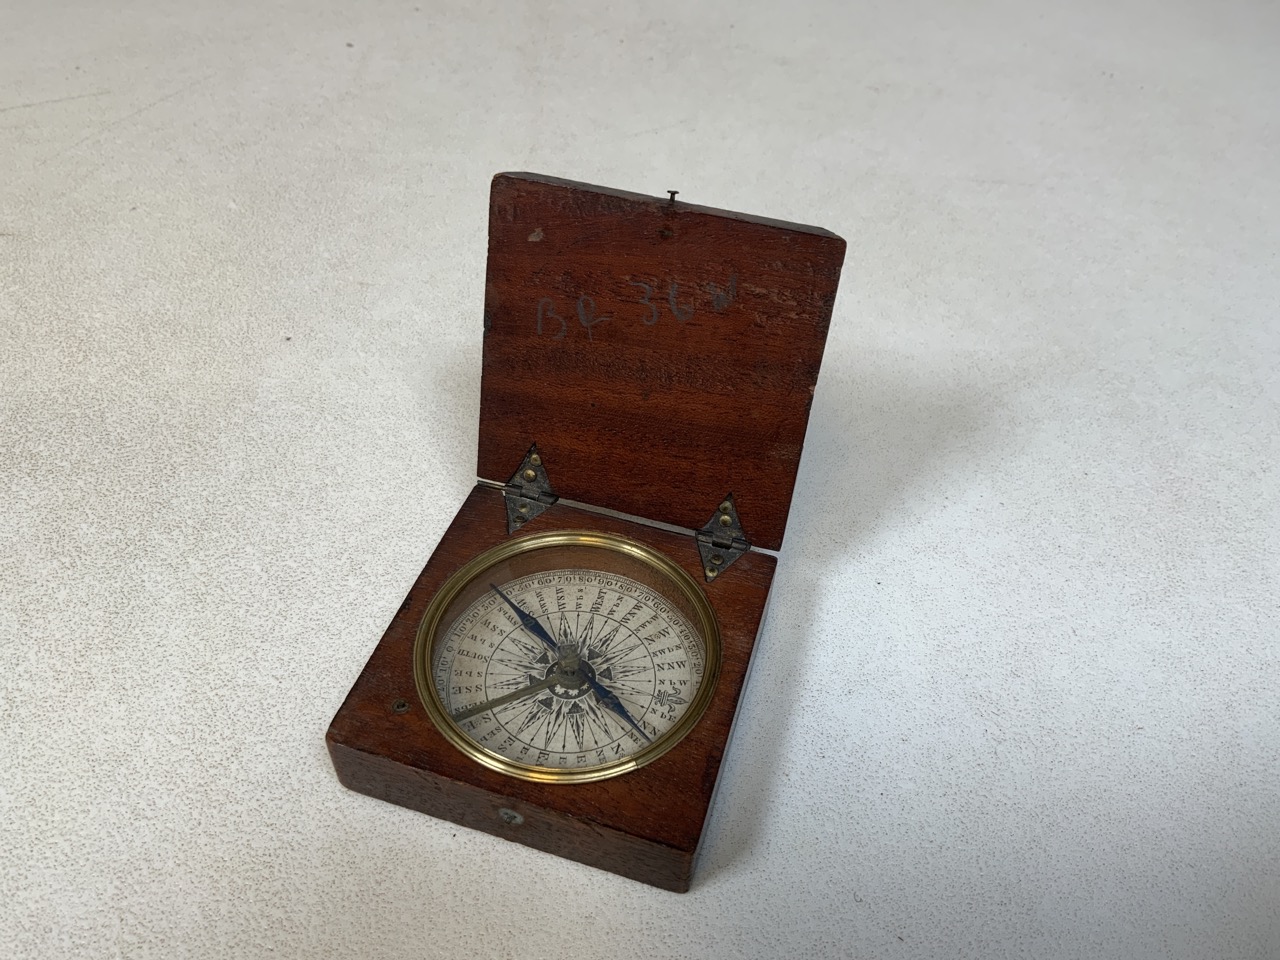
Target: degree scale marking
x=642 y=651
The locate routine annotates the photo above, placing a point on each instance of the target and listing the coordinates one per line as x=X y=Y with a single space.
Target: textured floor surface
x=1019 y=692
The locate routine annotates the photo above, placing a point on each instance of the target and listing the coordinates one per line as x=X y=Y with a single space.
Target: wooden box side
x=513 y=819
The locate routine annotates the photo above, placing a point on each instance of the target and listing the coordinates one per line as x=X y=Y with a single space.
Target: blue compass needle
x=527 y=621
x=606 y=696
x=610 y=700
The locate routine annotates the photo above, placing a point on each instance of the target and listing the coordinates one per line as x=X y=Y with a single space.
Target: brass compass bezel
x=670 y=580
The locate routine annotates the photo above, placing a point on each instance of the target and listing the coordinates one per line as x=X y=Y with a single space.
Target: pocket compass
x=566 y=669
x=567 y=657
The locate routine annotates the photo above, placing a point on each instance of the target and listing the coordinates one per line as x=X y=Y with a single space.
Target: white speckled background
x=1019 y=693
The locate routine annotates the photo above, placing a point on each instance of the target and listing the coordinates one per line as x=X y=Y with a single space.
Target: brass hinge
x=528 y=492
x=722 y=540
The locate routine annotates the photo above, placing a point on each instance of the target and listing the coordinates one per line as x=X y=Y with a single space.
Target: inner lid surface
x=661 y=355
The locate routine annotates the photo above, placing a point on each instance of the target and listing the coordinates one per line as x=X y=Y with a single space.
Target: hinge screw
x=536 y=460
x=531 y=475
x=711 y=573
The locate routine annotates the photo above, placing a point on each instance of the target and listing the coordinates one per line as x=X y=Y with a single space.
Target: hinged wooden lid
x=660 y=354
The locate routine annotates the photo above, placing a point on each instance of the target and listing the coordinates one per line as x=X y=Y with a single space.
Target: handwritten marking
x=653 y=308
x=721 y=298
x=547 y=308
x=587 y=314
x=680 y=313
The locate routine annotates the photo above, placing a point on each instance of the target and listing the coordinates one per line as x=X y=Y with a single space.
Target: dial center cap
x=571 y=684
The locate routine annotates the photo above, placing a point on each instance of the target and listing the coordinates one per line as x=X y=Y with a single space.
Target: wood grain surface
x=660 y=354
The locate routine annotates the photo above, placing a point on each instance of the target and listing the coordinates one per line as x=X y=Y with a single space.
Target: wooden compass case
x=661 y=356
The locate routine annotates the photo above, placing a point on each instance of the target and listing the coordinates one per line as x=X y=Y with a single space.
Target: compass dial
x=567 y=656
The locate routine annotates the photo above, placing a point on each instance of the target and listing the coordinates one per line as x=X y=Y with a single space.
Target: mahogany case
x=661 y=356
